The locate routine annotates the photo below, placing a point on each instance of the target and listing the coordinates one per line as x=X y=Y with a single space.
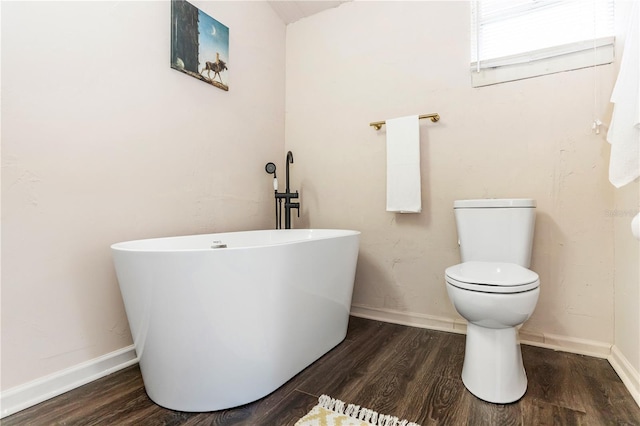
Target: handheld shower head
x=271 y=169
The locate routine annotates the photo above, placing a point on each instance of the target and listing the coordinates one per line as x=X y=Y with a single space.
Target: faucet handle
x=295 y=206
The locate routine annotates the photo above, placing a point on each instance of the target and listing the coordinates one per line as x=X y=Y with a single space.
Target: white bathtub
x=218 y=328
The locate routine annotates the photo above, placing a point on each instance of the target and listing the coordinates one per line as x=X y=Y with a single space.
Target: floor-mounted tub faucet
x=287 y=196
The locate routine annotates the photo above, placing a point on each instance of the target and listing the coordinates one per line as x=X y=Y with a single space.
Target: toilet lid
x=492 y=277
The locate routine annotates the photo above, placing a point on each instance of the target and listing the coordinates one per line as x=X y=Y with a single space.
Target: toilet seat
x=492 y=277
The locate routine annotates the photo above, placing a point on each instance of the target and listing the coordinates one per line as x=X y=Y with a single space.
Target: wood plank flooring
x=408 y=372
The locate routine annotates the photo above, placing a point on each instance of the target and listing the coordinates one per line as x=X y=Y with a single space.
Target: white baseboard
x=39 y=390
x=574 y=345
x=545 y=340
x=411 y=319
x=629 y=376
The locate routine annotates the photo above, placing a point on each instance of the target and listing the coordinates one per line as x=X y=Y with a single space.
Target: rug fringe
x=361 y=413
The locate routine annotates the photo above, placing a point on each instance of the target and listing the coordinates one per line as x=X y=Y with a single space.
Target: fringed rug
x=333 y=412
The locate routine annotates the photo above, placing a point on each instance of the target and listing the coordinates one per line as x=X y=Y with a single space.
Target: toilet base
x=493 y=369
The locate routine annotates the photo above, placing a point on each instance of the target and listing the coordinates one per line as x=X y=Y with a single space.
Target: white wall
x=368 y=61
x=626 y=354
x=103 y=142
x=627 y=281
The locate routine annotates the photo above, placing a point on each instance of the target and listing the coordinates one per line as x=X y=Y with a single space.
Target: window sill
x=535 y=64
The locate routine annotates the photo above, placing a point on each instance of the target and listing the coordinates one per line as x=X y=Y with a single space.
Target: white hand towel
x=403 y=165
x=624 y=130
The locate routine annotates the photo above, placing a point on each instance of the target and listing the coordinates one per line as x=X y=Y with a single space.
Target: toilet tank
x=496 y=230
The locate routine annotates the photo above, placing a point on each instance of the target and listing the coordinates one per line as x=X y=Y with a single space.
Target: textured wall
x=627 y=249
x=368 y=61
x=627 y=275
x=103 y=142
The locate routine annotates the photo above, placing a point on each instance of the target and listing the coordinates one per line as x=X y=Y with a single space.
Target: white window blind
x=521 y=33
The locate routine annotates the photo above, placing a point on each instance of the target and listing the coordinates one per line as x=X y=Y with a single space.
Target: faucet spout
x=289 y=160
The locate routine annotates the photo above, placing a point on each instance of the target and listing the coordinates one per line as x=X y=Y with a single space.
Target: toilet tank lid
x=495 y=203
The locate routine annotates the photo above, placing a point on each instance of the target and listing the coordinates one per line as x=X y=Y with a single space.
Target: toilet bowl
x=494 y=290
x=494 y=298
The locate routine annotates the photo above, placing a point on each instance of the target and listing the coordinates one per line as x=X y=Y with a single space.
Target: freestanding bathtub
x=219 y=327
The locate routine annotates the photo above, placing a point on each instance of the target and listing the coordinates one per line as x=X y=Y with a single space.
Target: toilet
x=495 y=292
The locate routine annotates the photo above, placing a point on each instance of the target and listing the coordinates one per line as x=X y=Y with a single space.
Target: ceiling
x=291 y=11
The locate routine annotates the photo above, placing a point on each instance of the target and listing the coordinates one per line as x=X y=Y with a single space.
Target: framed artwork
x=199 y=44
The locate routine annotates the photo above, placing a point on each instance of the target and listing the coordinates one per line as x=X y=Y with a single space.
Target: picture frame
x=199 y=44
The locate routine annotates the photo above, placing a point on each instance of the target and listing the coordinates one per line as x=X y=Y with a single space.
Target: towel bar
x=434 y=117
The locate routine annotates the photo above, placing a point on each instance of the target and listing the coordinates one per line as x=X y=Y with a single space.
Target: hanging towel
x=624 y=130
x=403 y=165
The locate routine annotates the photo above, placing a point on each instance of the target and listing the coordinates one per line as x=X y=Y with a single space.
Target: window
x=516 y=39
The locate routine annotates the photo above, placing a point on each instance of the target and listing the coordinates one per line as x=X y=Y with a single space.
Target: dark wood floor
x=408 y=372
